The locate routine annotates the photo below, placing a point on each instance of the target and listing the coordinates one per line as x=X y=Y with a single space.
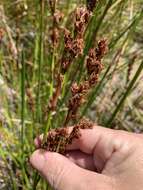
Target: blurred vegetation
x=26 y=77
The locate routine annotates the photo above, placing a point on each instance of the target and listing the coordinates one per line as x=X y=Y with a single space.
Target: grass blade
x=22 y=101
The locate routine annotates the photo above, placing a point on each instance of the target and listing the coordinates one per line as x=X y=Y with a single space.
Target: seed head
x=102 y=49
x=58 y=16
x=82 y=16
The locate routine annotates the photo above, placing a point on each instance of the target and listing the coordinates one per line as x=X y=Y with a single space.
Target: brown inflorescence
x=101 y=50
x=58 y=17
x=55 y=36
x=54 y=99
x=30 y=99
x=93 y=62
x=79 y=92
x=73 y=48
x=82 y=16
x=58 y=140
x=78 y=97
x=74 y=45
x=85 y=124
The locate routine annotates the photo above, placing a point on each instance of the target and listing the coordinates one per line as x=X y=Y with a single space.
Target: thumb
x=62 y=174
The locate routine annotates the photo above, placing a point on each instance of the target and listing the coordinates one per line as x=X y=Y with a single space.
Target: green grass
x=116 y=101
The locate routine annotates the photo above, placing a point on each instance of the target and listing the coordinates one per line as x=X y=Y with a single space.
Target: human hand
x=101 y=159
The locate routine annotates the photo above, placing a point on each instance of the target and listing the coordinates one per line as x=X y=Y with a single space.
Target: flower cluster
x=54 y=30
x=53 y=102
x=93 y=61
x=58 y=140
x=74 y=45
x=82 y=16
x=79 y=92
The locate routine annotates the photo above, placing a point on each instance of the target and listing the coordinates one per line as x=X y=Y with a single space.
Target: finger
x=90 y=138
x=81 y=159
x=99 y=141
x=62 y=174
x=38 y=141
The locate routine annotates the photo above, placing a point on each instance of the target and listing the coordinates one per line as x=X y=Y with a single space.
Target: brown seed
x=102 y=49
x=58 y=16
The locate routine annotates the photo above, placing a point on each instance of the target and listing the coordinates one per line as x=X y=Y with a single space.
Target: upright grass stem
x=22 y=102
x=40 y=58
x=48 y=122
x=39 y=54
x=22 y=137
x=101 y=19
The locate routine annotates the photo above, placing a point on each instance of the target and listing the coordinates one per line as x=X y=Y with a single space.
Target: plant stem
x=23 y=72
x=40 y=58
x=22 y=102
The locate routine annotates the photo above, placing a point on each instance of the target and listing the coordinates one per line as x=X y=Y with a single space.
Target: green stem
x=100 y=22
x=22 y=102
x=40 y=58
x=23 y=72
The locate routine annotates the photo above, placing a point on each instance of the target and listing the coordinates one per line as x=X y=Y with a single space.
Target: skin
x=101 y=159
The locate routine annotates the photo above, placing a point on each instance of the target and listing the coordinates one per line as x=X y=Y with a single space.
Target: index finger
x=92 y=138
x=99 y=140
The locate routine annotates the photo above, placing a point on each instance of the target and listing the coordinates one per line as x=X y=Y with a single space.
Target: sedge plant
x=62 y=61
